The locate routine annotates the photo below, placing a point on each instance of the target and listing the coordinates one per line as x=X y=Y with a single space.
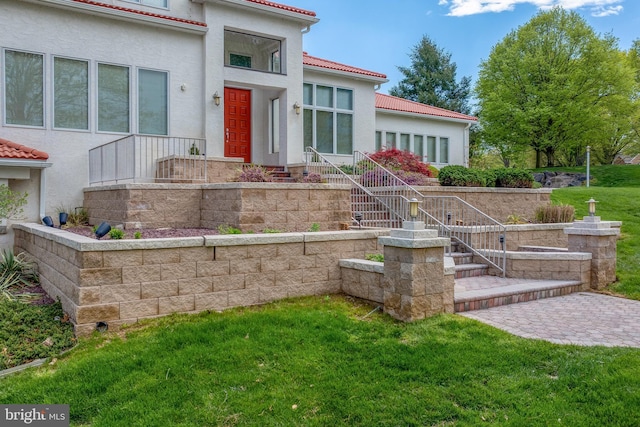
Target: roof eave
x=22 y=163
x=422 y=116
x=124 y=15
x=306 y=20
x=351 y=75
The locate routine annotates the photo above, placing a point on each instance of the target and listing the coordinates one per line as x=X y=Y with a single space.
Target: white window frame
x=53 y=94
x=334 y=110
x=137 y=103
x=97 y=101
x=3 y=70
x=147 y=4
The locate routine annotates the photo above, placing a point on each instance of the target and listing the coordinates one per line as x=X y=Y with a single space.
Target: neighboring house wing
x=439 y=136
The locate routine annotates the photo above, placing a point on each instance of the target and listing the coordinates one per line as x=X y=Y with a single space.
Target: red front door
x=237 y=123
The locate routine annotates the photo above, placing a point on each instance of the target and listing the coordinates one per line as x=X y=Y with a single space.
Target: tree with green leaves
x=431 y=79
x=554 y=86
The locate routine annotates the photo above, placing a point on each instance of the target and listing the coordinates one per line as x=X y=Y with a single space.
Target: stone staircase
x=476 y=290
x=279 y=174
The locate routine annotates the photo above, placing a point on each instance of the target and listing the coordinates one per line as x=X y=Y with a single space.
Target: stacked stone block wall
x=123 y=281
x=248 y=206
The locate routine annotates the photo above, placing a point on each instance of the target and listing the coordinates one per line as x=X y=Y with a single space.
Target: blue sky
x=378 y=35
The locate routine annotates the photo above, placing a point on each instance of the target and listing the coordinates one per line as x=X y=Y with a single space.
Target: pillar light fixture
x=592 y=206
x=216 y=98
x=413 y=209
x=296 y=107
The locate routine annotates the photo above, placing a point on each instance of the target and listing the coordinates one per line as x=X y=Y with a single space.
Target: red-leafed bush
x=399 y=160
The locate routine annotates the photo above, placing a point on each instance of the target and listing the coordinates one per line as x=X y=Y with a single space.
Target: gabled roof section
x=284 y=7
x=12 y=151
x=401 y=105
x=312 y=61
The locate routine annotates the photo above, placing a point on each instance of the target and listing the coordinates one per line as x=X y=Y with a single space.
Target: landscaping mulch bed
x=151 y=233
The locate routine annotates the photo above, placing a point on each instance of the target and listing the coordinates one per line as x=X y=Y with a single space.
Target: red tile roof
x=141 y=12
x=393 y=103
x=283 y=7
x=323 y=63
x=11 y=150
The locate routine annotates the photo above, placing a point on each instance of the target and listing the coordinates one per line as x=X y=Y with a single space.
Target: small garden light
x=413 y=209
x=358 y=218
x=592 y=206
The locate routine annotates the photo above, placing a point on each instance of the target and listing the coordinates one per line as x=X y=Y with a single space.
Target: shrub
x=227 y=229
x=374 y=257
x=11 y=203
x=315 y=227
x=116 y=234
x=396 y=160
x=254 y=173
x=15 y=272
x=312 y=178
x=513 y=178
x=555 y=214
x=459 y=176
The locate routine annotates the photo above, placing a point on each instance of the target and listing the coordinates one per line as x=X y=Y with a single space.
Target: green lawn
x=617 y=189
x=326 y=361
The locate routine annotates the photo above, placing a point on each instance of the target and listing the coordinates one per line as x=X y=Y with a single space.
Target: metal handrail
x=145 y=158
x=451 y=216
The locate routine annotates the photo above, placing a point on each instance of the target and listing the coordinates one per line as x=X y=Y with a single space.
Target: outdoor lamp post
x=413 y=209
x=592 y=206
x=588 y=163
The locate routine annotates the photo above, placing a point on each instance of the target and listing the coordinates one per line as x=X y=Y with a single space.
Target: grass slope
x=617 y=189
x=323 y=361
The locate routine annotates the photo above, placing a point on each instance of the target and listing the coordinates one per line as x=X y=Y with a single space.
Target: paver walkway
x=583 y=318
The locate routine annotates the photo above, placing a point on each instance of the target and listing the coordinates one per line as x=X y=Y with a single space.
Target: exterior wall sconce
x=296 y=107
x=413 y=209
x=592 y=206
x=216 y=98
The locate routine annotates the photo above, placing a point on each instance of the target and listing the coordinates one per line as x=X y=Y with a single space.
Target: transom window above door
x=253 y=52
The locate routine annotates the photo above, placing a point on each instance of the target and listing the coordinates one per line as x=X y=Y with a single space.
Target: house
x=77 y=74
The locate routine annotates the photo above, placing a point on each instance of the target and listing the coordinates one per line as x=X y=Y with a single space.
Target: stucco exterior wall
x=65 y=33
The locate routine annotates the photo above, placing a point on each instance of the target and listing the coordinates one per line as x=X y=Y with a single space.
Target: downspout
x=306 y=29
x=43 y=192
x=465 y=144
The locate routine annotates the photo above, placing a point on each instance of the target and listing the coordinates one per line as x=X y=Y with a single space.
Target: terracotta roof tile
x=141 y=12
x=323 y=63
x=11 y=150
x=283 y=7
x=393 y=103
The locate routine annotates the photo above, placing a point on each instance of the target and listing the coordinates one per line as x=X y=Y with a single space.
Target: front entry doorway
x=237 y=123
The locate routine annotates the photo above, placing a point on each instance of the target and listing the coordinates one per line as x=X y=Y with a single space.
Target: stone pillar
x=598 y=238
x=415 y=284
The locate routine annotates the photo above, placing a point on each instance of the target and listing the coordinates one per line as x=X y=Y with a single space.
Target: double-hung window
x=113 y=98
x=70 y=94
x=328 y=118
x=24 y=88
x=153 y=103
x=154 y=3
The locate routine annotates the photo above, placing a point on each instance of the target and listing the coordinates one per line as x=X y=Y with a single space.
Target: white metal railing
x=381 y=199
x=141 y=158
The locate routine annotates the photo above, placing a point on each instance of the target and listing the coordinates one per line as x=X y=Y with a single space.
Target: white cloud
x=472 y=7
x=602 y=11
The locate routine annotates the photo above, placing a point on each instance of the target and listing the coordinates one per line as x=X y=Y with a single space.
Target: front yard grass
x=620 y=204
x=322 y=361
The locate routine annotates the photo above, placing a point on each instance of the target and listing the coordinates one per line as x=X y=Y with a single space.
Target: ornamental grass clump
x=552 y=214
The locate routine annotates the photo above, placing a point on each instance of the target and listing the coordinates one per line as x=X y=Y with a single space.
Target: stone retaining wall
x=247 y=206
x=122 y=281
x=498 y=203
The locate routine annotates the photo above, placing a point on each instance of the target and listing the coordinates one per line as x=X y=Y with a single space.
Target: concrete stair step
x=462 y=258
x=511 y=292
x=470 y=270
